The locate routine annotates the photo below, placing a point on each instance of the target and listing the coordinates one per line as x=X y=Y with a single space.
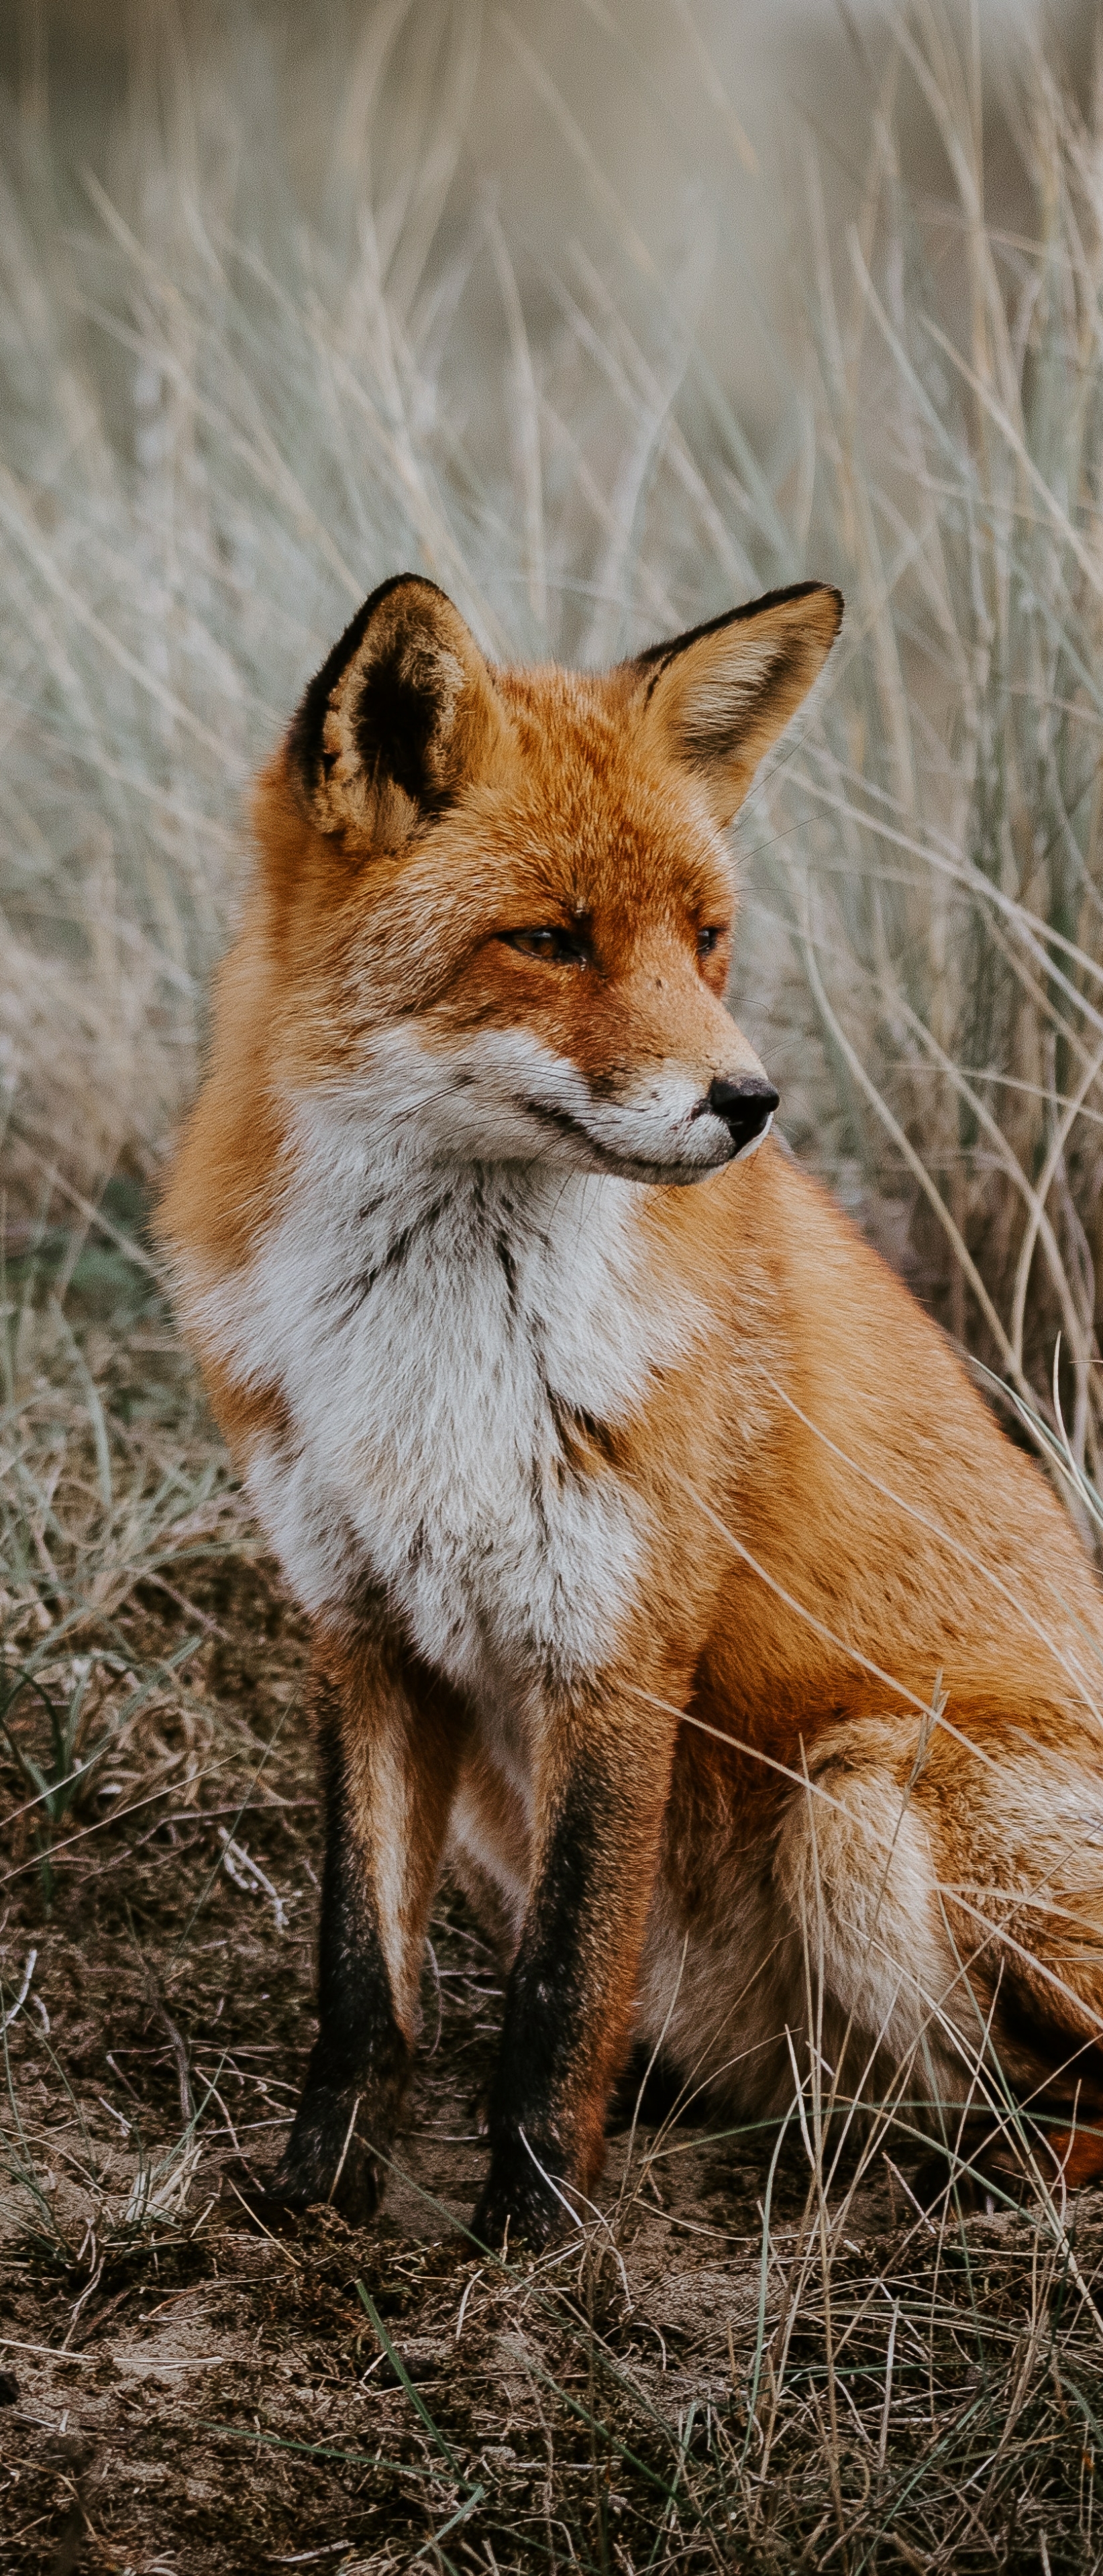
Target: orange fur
x=822 y=1532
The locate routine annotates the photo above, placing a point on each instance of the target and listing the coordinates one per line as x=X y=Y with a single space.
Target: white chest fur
x=439 y=1335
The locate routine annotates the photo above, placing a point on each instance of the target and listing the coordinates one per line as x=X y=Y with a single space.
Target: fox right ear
x=402 y=715
x=717 y=699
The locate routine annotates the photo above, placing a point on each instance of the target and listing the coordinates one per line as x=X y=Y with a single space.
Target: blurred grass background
x=605 y=318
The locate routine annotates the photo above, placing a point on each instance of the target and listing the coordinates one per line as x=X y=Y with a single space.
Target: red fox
x=668 y=1576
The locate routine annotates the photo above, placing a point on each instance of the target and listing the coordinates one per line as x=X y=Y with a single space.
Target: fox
x=669 y=1580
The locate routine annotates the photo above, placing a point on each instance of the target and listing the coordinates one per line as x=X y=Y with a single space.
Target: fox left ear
x=717 y=698
x=401 y=718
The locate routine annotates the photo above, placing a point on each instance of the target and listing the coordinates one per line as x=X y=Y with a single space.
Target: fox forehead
x=594 y=817
x=574 y=818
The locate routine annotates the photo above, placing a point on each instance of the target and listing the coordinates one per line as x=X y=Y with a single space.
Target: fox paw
x=331 y=2157
x=522 y=2203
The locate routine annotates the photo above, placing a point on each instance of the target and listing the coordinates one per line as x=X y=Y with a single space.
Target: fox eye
x=710 y=938
x=555 y=947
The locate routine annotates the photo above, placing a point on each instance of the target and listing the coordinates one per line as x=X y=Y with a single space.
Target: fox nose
x=745 y=1105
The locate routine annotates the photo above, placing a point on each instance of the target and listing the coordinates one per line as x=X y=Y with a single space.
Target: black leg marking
x=360 y=2060
x=545 y=2033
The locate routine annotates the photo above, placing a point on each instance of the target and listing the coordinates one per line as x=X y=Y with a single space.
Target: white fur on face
x=432 y=1324
x=503 y=1096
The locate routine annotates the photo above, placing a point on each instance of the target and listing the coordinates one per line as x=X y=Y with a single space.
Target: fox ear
x=401 y=717
x=717 y=698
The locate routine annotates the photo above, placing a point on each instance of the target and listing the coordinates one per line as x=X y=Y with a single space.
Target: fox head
x=502 y=899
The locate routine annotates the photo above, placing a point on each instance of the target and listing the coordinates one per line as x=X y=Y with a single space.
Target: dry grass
x=226 y=418
x=221 y=426
x=947 y=899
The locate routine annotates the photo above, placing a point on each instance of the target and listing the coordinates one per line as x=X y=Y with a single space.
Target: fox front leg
x=390 y=1744
x=605 y=1776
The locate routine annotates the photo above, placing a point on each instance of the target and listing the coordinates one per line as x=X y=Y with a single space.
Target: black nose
x=745 y=1105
